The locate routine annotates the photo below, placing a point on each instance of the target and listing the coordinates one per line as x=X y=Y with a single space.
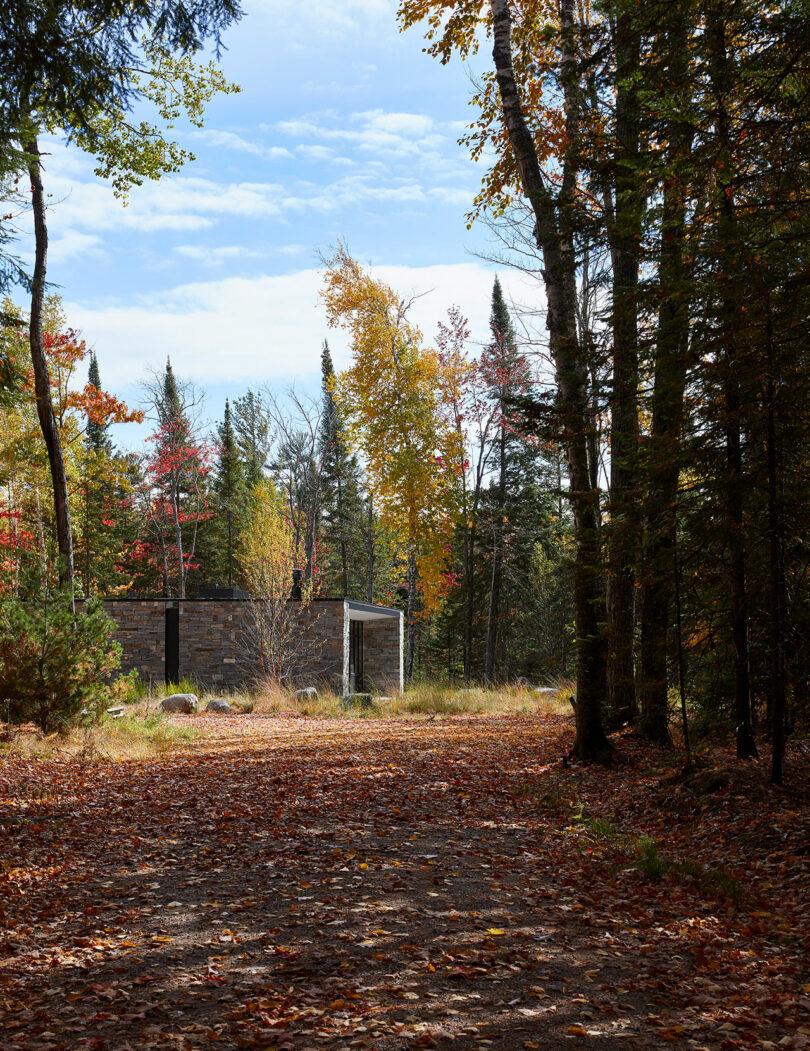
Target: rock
x=218 y=704
x=545 y=691
x=309 y=693
x=356 y=700
x=186 y=703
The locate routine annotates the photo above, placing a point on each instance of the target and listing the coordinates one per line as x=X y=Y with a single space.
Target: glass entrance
x=356 y=656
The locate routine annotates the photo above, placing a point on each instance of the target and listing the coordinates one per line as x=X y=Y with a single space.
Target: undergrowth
x=127 y=737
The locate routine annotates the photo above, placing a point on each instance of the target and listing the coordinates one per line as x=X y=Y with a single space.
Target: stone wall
x=142 y=635
x=382 y=655
x=216 y=647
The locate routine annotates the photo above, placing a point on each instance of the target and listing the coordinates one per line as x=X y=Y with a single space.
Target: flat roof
x=367 y=611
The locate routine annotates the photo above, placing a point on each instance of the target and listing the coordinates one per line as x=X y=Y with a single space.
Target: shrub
x=54 y=662
x=648 y=860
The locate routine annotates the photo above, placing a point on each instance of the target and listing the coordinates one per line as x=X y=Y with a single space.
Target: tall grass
x=129 y=737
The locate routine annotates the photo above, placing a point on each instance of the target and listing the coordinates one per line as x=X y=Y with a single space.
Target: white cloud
x=244 y=330
x=230 y=141
x=215 y=255
x=73 y=243
x=398 y=135
x=327 y=15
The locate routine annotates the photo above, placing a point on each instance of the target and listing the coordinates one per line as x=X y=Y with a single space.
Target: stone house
x=342 y=645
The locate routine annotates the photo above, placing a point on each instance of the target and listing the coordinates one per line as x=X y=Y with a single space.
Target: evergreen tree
x=98 y=439
x=174 y=494
x=251 y=426
x=220 y=535
x=104 y=519
x=514 y=507
x=344 y=562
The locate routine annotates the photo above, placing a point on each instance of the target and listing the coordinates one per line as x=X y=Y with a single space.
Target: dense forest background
x=636 y=522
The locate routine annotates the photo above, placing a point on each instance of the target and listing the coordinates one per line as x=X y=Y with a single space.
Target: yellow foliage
x=391 y=402
x=265 y=550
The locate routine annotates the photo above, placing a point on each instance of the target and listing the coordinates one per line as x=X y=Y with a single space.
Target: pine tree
x=513 y=505
x=173 y=493
x=251 y=426
x=343 y=519
x=220 y=535
x=97 y=433
x=104 y=522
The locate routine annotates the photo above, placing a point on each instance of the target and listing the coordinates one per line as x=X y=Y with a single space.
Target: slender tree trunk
x=776 y=574
x=728 y=259
x=662 y=461
x=469 y=604
x=494 y=608
x=42 y=380
x=370 y=552
x=625 y=238
x=344 y=561
x=492 y=611
x=555 y=241
x=230 y=548
x=410 y=646
x=178 y=542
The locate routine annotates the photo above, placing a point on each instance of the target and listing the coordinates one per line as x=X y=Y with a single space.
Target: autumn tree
x=79 y=412
x=390 y=401
x=78 y=69
x=266 y=553
x=102 y=496
x=173 y=494
x=554 y=49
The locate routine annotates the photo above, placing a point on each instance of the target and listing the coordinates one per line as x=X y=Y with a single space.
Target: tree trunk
x=494 y=608
x=410 y=646
x=663 y=447
x=625 y=242
x=469 y=547
x=727 y=259
x=370 y=551
x=492 y=611
x=555 y=240
x=42 y=380
x=776 y=575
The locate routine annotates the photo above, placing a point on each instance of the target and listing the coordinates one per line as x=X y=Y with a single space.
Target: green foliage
x=175 y=85
x=220 y=535
x=344 y=552
x=54 y=662
x=129 y=688
x=648 y=860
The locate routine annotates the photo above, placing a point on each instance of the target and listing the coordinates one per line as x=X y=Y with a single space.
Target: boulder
x=218 y=704
x=356 y=700
x=309 y=693
x=185 y=703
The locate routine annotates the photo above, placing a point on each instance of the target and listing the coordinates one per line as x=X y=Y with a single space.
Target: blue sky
x=344 y=129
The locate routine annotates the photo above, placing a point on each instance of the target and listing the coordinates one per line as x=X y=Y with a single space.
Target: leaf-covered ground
x=290 y=883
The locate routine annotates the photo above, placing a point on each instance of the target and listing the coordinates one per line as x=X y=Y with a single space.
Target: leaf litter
x=289 y=883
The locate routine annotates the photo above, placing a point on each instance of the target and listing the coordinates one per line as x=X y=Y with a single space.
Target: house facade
x=339 y=644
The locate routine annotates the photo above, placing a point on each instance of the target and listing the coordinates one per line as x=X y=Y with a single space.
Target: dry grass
x=130 y=737
x=419 y=701
x=144 y=731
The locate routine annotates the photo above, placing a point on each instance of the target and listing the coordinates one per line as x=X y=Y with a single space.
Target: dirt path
x=297 y=884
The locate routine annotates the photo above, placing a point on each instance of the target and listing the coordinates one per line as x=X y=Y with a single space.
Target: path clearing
x=291 y=884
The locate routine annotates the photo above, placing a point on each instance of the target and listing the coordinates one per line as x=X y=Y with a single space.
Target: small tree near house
x=273 y=638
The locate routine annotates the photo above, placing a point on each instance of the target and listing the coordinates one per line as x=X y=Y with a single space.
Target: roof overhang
x=367 y=611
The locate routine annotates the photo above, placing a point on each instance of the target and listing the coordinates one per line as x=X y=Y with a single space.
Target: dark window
x=356 y=656
x=172 y=673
